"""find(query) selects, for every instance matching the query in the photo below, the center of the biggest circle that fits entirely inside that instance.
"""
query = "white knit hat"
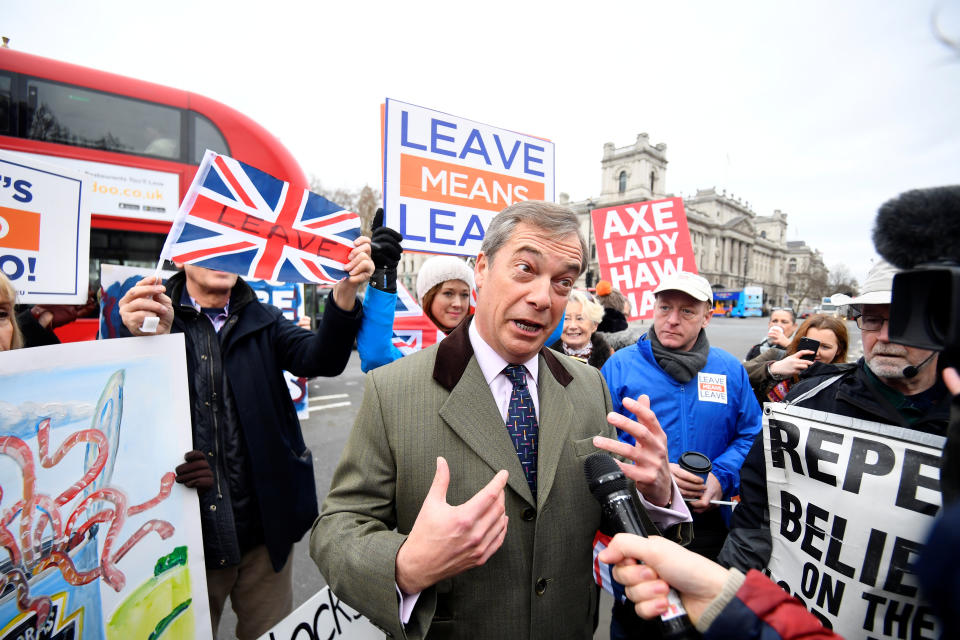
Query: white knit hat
(440, 269)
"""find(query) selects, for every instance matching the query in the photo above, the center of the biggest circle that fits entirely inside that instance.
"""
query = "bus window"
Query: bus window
(206, 136)
(131, 248)
(82, 118)
(5, 102)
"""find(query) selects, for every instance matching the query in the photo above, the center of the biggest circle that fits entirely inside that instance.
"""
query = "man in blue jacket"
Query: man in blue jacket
(702, 398)
(251, 468)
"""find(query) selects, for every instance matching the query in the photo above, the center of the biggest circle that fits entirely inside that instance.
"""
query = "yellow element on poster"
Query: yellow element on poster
(160, 607)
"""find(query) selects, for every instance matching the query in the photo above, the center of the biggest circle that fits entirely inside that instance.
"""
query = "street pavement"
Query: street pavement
(334, 403)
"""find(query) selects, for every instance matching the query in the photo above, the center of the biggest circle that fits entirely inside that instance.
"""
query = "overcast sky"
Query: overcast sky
(823, 110)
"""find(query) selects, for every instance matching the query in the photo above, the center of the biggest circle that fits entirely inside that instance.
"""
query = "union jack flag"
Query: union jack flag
(239, 219)
(412, 328)
(603, 572)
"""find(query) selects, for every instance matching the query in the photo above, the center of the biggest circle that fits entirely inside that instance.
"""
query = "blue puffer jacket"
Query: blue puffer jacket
(715, 413)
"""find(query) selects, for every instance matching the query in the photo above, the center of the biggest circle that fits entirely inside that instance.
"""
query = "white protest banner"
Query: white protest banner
(323, 617)
(117, 190)
(640, 243)
(106, 545)
(44, 231)
(851, 503)
(446, 177)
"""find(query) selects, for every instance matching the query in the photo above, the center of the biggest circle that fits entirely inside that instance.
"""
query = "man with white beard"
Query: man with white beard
(892, 383)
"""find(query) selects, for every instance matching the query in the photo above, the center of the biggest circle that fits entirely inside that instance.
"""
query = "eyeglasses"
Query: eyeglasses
(871, 323)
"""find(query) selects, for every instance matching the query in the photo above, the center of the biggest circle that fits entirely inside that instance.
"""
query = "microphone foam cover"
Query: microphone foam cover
(604, 475)
(919, 226)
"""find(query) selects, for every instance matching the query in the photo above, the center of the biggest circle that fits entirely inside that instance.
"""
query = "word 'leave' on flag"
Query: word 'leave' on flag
(412, 328)
(239, 219)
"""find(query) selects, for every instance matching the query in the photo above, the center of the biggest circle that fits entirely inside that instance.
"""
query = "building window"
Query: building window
(653, 178)
(763, 234)
(792, 267)
(622, 182)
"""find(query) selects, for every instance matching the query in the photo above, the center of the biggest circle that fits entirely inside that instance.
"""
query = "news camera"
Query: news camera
(918, 232)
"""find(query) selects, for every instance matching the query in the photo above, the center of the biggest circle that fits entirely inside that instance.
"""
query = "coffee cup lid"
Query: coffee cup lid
(695, 461)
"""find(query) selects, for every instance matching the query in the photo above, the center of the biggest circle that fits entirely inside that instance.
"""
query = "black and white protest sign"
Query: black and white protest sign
(851, 503)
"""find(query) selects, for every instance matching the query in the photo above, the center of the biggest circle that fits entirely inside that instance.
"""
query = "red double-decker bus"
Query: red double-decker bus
(140, 143)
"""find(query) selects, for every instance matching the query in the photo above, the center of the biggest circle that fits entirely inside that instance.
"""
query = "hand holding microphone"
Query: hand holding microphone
(665, 564)
(612, 490)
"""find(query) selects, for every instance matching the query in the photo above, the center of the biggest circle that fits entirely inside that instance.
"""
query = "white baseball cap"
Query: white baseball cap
(693, 285)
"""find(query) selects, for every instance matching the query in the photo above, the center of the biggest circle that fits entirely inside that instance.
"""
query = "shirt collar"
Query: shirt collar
(491, 363)
(187, 299)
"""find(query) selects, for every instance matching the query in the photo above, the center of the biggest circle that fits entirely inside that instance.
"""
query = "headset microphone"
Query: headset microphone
(911, 371)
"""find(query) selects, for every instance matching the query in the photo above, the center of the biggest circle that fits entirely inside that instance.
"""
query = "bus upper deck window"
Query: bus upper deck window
(206, 136)
(84, 118)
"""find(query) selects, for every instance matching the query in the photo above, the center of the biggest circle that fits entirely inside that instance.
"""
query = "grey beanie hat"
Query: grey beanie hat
(440, 269)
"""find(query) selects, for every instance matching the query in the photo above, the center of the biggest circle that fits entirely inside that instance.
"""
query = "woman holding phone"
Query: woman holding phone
(820, 339)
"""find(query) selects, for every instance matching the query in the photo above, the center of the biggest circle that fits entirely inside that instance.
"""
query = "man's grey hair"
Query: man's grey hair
(556, 221)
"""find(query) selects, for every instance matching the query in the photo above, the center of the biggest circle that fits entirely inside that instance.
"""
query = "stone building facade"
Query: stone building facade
(734, 246)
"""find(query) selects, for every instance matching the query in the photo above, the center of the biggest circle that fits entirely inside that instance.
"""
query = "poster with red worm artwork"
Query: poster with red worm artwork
(97, 541)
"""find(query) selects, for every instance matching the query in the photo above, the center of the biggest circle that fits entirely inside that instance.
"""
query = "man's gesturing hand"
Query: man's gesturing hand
(650, 468)
(445, 540)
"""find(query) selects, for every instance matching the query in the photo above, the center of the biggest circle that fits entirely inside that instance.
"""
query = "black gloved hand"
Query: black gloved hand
(385, 252)
(195, 472)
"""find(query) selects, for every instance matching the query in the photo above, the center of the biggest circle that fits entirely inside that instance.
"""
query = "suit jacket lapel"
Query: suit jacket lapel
(472, 413)
(556, 414)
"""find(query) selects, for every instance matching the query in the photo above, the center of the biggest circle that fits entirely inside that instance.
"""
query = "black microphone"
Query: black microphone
(911, 371)
(918, 227)
(612, 490)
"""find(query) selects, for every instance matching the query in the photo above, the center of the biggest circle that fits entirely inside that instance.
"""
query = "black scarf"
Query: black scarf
(681, 365)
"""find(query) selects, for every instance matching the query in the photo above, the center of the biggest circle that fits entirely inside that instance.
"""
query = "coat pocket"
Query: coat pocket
(584, 447)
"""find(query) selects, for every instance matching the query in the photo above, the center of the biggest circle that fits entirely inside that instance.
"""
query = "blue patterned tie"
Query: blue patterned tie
(522, 424)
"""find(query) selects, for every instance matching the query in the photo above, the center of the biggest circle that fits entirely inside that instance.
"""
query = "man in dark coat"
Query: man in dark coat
(250, 466)
(892, 384)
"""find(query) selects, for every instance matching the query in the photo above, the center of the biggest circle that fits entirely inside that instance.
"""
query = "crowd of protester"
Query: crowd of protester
(438, 549)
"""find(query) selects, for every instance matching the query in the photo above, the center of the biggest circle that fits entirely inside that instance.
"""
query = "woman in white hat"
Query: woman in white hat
(444, 284)
(443, 289)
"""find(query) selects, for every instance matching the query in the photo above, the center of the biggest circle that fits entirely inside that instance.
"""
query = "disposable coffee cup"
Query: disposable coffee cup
(696, 463)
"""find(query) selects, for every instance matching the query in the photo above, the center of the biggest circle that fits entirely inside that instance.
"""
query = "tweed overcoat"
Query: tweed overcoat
(436, 402)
